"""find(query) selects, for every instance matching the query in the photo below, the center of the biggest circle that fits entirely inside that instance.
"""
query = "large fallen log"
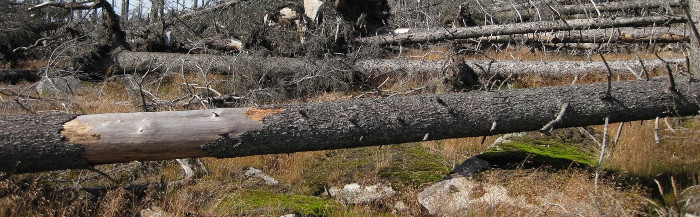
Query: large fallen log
(32, 143)
(612, 35)
(546, 10)
(486, 68)
(432, 35)
(139, 62)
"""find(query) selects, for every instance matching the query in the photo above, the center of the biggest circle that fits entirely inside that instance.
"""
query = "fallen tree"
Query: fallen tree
(432, 35)
(32, 143)
(613, 35)
(140, 62)
(548, 10)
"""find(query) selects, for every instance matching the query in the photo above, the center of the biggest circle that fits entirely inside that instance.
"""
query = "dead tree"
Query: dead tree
(424, 35)
(32, 143)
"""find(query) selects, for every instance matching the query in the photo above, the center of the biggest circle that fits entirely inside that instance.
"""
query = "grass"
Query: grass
(272, 204)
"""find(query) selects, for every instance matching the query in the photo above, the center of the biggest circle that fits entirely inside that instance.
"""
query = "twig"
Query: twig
(668, 125)
(584, 131)
(644, 68)
(602, 151)
(550, 125)
(617, 139)
(671, 81)
(608, 92)
(657, 138)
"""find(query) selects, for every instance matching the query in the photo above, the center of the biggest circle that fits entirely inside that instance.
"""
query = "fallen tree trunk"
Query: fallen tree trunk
(432, 35)
(544, 10)
(32, 143)
(486, 68)
(616, 35)
(15, 75)
(140, 62)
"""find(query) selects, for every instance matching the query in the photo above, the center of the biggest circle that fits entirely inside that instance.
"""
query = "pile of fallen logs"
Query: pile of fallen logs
(323, 44)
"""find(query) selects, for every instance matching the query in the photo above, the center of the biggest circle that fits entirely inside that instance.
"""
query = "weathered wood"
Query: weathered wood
(421, 36)
(486, 68)
(545, 10)
(39, 143)
(612, 35)
(130, 62)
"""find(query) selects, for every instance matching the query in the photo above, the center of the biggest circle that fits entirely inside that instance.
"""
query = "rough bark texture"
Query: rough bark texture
(369, 122)
(613, 35)
(549, 11)
(130, 62)
(519, 28)
(485, 68)
(32, 143)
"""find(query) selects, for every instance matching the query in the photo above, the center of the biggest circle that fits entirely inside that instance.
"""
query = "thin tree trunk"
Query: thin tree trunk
(32, 143)
(421, 36)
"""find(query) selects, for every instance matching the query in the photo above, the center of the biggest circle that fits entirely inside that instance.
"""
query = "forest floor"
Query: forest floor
(640, 176)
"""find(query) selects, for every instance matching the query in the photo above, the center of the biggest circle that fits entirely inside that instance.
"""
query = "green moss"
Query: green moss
(538, 152)
(414, 165)
(262, 203)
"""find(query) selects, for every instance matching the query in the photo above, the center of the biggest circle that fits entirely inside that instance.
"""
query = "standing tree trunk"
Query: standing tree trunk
(125, 10)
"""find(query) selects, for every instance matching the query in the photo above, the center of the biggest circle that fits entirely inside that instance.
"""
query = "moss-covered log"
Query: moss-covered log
(51, 141)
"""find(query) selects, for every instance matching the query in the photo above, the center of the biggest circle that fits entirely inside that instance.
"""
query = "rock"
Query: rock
(289, 215)
(690, 201)
(470, 167)
(154, 212)
(64, 85)
(252, 172)
(454, 197)
(356, 194)
(400, 207)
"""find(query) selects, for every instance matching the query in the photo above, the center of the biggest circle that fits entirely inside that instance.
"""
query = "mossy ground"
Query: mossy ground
(538, 153)
(273, 204)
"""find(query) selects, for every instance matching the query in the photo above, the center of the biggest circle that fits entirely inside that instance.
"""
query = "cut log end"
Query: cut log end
(259, 114)
(79, 133)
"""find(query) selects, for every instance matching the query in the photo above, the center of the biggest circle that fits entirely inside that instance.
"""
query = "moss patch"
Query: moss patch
(537, 153)
(401, 165)
(263, 203)
(414, 165)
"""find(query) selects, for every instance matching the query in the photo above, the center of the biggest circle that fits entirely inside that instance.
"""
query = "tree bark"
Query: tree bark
(612, 35)
(486, 68)
(55, 141)
(140, 62)
(422, 36)
(541, 10)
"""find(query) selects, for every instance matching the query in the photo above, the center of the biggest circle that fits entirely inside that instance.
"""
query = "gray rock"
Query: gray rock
(60, 85)
(252, 172)
(454, 197)
(154, 212)
(357, 194)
